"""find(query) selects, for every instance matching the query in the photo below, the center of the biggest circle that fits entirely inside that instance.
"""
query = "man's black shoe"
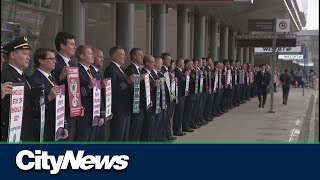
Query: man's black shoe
(187, 130)
(178, 133)
(171, 138)
(194, 127)
(204, 121)
(199, 124)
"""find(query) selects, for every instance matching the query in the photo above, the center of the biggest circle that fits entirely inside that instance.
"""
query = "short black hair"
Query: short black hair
(146, 59)
(195, 60)
(164, 55)
(40, 53)
(113, 50)
(157, 58)
(80, 49)
(178, 60)
(225, 61)
(61, 38)
(216, 63)
(186, 61)
(133, 52)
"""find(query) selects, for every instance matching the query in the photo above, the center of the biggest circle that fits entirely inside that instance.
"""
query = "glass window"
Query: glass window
(100, 27)
(40, 21)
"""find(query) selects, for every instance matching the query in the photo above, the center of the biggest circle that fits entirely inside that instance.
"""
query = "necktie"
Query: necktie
(89, 73)
(121, 70)
(51, 80)
(25, 79)
(220, 83)
(69, 63)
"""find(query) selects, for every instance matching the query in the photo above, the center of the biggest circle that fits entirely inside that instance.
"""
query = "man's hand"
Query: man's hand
(6, 88)
(131, 78)
(64, 73)
(142, 77)
(171, 75)
(103, 84)
(101, 121)
(65, 134)
(92, 83)
(54, 91)
(110, 117)
(157, 82)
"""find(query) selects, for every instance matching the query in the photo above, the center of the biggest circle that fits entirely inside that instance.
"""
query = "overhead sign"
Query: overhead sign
(265, 40)
(307, 64)
(291, 56)
(264, 25)
(279, 49)
(265, 36)
(283, 25)
(163, 1)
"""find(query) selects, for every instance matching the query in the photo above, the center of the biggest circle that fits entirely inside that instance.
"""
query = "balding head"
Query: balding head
(159, 63)
(98, 57)
(149, 62)
(180, 63)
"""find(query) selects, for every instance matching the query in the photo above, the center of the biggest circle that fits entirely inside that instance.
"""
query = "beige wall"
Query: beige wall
(140, 30)
(171, 33)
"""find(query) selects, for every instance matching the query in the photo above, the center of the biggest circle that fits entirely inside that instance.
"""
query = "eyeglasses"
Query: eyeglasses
(51, 58)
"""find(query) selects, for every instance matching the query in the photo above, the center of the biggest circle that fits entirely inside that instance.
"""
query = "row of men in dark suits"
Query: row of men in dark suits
(51, 71)
(185, 94)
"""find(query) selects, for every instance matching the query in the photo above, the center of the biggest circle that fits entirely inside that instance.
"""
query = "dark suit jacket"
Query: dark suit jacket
(263, 80)
(163, 71)
(56, 73)
(224, 77)
(153, 89)
(214, 71)
(192, 83)
(98, 76)
(38, 80)
(203, 69)
(28, 131)
(181, 82)
(152, 77)
(86, 97)
(120, 90)
(131, 69)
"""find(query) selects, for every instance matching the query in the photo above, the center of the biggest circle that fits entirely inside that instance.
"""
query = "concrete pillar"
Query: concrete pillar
(148, 28)
(159, 29)
(246, 55)
(232, 45)
(182, 33)
(251, 55)
(214, 39)
(125, 22)
(199, 36)
(224, 43)
(240, 53)
(74, 19)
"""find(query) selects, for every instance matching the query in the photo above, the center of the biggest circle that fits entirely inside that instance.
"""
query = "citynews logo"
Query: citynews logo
(40, 160)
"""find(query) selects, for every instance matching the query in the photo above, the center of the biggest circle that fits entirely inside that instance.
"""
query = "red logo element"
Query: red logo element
(283, 25)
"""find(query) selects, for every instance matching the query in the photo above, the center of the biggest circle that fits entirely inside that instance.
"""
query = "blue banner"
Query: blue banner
(162, 161)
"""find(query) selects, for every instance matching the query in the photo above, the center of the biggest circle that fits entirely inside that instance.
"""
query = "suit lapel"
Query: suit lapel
(45, 80)
(118, 70)
(83, 73)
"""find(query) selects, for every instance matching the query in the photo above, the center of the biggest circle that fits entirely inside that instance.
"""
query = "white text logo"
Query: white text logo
(40, 160)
